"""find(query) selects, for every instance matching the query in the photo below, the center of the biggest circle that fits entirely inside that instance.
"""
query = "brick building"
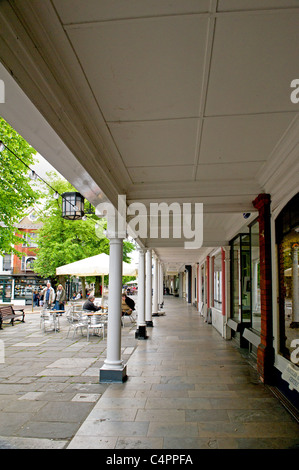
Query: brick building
(17, 276)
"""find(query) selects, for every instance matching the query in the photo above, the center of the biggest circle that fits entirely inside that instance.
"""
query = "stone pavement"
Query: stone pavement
(187, 388)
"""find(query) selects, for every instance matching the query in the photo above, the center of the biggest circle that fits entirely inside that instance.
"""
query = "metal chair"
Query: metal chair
(96, 323)
(76, 320)
(48, 318)
(131, 316)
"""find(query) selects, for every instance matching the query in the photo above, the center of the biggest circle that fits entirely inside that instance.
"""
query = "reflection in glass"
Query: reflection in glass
(288, 291)
(255, 277)
(241, 285)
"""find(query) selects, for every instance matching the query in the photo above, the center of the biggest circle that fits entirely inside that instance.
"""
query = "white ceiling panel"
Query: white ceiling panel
(78, 11)
(135, 74)
(239, 5)
(230, 171)
(255, 58)
(242, 138)
(161, 174)
(156, 143)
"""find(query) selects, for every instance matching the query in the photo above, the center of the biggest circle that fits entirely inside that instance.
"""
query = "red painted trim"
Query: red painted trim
(208, 282)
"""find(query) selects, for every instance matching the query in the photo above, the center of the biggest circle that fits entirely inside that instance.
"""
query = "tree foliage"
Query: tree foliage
(17, 193)
(63, 241)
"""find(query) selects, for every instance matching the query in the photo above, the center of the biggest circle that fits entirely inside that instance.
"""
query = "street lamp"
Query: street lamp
(72, 206)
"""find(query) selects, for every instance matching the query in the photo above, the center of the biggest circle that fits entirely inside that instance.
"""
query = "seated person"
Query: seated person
(89, 304)
(127, 305)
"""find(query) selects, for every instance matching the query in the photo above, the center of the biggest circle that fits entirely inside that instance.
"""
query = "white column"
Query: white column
(141, 326)
(161, 285)
(102, 290)
(113, 369)
(148, 289)
(159, 282)
(155, 286)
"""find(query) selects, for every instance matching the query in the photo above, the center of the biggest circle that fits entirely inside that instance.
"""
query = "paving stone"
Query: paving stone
(50, 430)
(68, 412)
(139, 443)
(89, 397)
(32, 443)
(92, 442)
(113, 428)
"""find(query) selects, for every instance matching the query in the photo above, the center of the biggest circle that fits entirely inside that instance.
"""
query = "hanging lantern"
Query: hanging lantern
(72, 206)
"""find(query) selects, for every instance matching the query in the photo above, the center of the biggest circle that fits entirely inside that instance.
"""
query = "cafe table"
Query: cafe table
(51, 316)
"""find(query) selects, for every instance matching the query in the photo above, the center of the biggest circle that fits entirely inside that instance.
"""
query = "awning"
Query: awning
(94, 266)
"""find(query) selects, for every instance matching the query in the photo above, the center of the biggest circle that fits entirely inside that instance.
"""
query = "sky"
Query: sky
(42, 166)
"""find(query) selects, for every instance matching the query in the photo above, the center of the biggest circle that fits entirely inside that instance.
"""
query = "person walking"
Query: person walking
(60, 298)
(48, 295)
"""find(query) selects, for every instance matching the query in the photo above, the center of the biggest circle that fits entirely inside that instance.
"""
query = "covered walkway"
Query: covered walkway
(187, 106)
(187, 388)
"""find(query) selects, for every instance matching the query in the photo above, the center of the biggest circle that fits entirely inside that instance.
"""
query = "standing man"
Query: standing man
(60, 298)
(49, 296)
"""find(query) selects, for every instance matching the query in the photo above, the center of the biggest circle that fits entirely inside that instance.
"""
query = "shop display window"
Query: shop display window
(255, 277)
(287, 239)
(241, 278)
(218, 281)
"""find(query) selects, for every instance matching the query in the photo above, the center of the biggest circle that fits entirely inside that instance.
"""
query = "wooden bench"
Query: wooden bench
(8, 313)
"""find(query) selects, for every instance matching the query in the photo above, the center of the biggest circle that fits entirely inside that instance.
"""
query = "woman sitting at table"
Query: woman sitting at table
(127, 305)
(89, 304)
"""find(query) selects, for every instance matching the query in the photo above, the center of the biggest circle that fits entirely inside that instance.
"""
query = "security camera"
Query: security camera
(246, 215)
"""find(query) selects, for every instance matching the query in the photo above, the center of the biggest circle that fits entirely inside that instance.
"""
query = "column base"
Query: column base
(149, 323)
(141, 333)
(113, 375)
(158, 314)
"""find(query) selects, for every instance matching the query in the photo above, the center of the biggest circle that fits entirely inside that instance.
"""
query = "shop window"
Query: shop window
(23, 288)
(255, 277)
(287, 239)
(5, 290)
(241, 278)
(218, 281)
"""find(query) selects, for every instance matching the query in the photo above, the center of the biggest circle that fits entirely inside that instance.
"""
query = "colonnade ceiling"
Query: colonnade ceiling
(182, 101)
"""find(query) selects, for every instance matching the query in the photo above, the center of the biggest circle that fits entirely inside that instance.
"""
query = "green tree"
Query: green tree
(63, 241)
(17, 193)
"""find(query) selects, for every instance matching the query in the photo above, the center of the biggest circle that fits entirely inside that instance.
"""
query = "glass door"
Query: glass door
(245, 279)
(241, 278)
(235, 277)
(5, 290)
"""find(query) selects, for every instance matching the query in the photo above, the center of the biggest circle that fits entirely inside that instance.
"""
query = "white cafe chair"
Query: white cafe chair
(96, 323)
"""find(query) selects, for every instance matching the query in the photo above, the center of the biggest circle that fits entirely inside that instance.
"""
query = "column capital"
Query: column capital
(261, 201)
(115, 240)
